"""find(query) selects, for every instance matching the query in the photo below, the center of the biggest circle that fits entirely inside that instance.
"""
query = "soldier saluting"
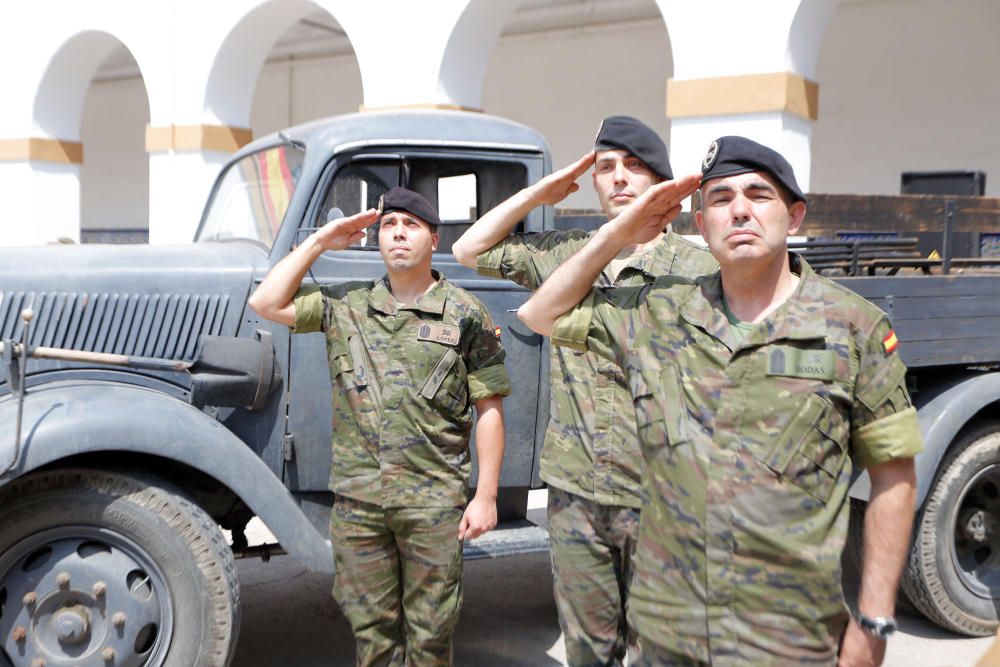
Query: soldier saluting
(409, 355)
(591, 459)
(787, 381)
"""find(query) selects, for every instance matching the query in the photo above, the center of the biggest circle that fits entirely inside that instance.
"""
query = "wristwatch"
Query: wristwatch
(880, 626)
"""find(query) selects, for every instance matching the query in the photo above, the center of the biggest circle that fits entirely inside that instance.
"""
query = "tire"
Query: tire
(850, 559)
(102, 568)
(952, 575)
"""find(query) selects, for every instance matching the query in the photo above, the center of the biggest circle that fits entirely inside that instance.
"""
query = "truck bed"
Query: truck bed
(940, 320)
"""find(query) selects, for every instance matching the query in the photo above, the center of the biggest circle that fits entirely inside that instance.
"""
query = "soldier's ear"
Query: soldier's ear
(435, 239)
(796, 214)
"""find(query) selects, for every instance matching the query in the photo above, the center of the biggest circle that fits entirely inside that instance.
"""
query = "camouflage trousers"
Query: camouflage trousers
(398, 580)
(649, 654)
(592, 547)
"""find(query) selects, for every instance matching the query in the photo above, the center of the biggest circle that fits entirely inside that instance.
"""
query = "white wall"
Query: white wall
(904, 85)
(114, 176)
(297, 91)
(564, 83)
(908, 85)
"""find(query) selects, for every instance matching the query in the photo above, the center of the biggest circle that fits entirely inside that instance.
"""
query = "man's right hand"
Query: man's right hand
(560, 184)
(343, 232)
(660, 204)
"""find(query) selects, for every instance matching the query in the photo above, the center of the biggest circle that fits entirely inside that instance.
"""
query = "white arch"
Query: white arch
(468, 50)
(240, 55)
(445, 55)
(805, 37)
(58, 102)
(45, 179)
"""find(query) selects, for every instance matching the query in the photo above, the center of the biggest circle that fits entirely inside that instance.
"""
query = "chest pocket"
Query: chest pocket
(810, 452)
(445, 385)
(660, 407)
(356, 373)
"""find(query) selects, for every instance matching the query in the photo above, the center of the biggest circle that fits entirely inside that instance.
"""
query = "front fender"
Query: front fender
(68, 418)
(942, 413)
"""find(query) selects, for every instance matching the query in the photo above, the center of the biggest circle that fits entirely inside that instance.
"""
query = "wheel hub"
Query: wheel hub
(80, 596)
(977, 533)
(71, 625)
(976, 526)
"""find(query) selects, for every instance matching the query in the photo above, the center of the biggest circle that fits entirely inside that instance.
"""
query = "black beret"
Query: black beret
(632, 135)
(401, 199)
(729, 156)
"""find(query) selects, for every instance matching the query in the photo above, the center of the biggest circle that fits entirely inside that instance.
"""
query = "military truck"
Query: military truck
(145, 408)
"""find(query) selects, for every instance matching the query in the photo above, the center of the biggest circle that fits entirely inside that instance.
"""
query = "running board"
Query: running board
(511, 538)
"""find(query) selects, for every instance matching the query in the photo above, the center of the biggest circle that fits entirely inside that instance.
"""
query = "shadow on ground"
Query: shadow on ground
(289, 618)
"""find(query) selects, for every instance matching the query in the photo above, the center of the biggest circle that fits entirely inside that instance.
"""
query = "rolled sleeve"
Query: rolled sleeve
(490, 263)
(894, 437)
(308, 310)
(484, 358)
(529, 259)
(489, 381)
(884, 421)
(572, 329)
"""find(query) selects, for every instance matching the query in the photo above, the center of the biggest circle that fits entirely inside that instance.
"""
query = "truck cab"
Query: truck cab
(279, 190)
(115, 482)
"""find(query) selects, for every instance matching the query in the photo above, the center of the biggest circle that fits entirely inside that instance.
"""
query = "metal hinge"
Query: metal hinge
(288, 447)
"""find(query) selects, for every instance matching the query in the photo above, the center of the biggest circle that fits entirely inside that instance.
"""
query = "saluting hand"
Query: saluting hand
(560, 184)
(657, 206)
(343, 232)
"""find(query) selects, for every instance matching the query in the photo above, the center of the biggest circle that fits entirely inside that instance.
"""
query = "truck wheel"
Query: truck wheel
(953, 572)
(100, 569)
(850, 559)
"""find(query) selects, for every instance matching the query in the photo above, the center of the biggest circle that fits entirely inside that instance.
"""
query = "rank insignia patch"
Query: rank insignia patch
(890, 342)
(438, 333)
(496, 332)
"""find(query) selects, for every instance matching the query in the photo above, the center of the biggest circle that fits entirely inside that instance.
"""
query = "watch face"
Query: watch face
(880, 627)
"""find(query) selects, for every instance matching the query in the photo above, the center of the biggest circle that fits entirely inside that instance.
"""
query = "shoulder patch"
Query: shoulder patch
(890, 342)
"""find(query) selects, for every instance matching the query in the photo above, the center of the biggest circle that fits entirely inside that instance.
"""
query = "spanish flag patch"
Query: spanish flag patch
(890, 342)
(496, 332)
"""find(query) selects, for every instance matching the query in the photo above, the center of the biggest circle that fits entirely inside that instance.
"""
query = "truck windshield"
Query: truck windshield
(253, 195)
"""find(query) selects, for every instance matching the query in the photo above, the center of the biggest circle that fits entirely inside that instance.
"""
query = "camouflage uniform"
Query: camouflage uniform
(405, 378)
(744, 514)
(591, 457)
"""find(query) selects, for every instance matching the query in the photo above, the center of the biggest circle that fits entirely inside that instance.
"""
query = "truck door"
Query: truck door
(463, 184)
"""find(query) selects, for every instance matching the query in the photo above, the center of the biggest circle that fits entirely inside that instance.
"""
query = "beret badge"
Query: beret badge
(710, 156)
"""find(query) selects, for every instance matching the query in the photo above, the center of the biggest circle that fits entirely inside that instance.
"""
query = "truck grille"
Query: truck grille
(147, 325)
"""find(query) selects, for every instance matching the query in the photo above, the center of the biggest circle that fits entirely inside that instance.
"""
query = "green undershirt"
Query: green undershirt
(740, 328)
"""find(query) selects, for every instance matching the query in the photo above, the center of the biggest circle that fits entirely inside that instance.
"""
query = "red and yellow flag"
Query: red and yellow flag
(890, 342)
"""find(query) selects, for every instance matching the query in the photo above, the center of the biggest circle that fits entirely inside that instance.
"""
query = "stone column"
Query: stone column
(41, 186)
(746, 69)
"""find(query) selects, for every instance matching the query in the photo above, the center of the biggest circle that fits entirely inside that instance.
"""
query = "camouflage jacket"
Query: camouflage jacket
(591, 448)
(404, 380)
(745, 486)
